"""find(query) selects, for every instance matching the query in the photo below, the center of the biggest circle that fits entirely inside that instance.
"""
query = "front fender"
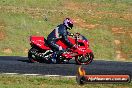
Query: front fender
(89, 50)
(82, 52)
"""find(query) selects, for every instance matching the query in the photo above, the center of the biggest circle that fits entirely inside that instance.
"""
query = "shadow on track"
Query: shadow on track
(25, 59)
(46, 63)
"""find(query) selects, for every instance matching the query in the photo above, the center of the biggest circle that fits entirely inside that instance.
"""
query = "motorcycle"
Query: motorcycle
(41, 52)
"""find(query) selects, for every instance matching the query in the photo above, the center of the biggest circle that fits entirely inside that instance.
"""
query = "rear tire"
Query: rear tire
(31, 56)
(80, 60)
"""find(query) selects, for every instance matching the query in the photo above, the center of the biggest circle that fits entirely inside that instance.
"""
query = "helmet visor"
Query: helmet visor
(70, 25)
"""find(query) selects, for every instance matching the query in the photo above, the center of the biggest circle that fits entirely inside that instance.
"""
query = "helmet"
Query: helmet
(68, 23)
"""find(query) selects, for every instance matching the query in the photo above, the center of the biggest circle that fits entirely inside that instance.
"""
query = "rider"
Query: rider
(61, 31)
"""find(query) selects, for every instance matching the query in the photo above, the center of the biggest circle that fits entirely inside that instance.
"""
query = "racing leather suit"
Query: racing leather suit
(59, 32)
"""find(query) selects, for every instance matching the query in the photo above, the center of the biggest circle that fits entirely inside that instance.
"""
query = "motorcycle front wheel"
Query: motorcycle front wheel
(87, 59)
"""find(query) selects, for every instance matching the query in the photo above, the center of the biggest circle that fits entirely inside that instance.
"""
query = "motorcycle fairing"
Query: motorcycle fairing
(39, 41)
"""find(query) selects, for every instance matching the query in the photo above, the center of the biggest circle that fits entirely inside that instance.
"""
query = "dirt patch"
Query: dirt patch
(2, 33)
(7, 51)
(117, 42)
(130, 33)
(126, 16)
(34, 12)
(118, 30)
(120, 56)
(26, 51)
(79, 22)
(82, 23)
(71, 6)
(78, 7)
(91, 26)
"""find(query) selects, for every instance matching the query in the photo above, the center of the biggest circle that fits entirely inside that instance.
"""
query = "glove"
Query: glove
(72, 34)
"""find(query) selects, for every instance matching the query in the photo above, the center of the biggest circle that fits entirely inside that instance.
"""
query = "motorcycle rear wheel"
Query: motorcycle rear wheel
(84, 60)
(31, 57)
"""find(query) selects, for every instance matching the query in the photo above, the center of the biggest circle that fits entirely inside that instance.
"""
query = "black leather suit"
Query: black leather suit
(59, 32)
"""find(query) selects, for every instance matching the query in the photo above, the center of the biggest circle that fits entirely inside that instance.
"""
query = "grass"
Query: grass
(22, 18)
(30, 3)
(17, 81)
(18, 29)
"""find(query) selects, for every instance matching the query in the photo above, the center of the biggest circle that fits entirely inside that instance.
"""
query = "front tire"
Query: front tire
(84, 59)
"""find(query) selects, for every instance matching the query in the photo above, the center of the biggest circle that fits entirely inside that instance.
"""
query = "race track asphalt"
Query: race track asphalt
(21, 65)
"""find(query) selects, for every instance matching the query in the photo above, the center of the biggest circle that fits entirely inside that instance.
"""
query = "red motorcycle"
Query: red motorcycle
(41, 52)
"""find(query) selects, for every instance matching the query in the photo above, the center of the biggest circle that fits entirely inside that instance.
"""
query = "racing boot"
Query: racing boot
(54, 57)
(59, 53)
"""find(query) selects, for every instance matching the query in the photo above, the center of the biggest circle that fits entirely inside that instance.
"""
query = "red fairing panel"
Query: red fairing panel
(62, 43)
(39, 41)
(89, 51)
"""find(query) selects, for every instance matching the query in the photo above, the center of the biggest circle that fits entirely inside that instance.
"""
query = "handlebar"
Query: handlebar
(77, 36)
(77, 33)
